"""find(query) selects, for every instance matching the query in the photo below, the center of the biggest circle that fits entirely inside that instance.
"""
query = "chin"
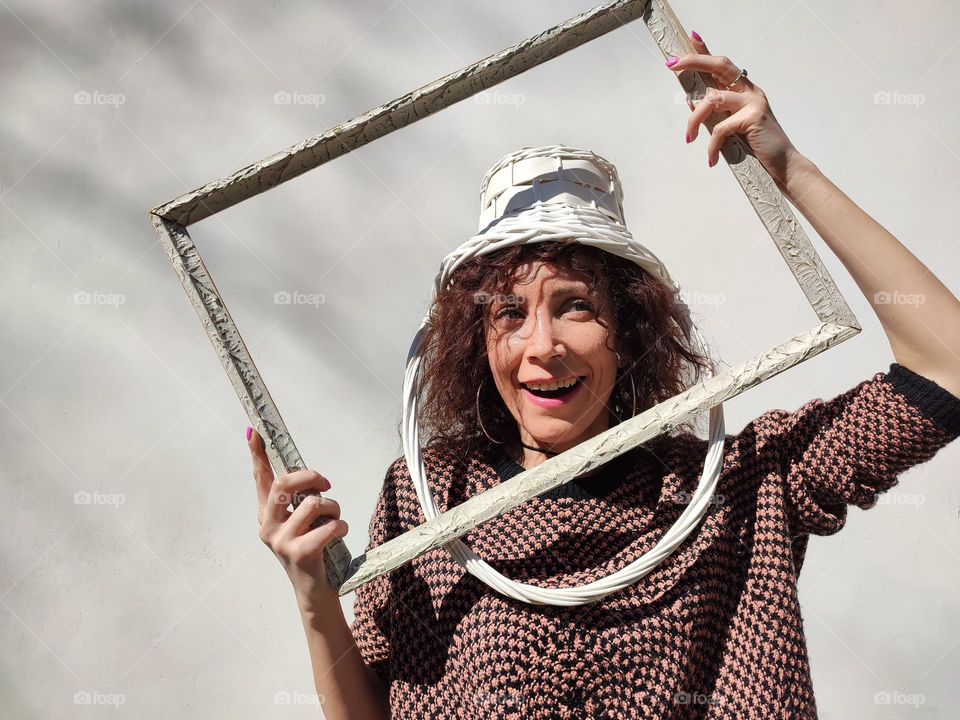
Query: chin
(553, 431)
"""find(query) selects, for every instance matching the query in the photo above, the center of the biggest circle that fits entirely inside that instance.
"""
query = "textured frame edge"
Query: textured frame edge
(171, 220)
(239, 366)
(297, 159)
(591, 453)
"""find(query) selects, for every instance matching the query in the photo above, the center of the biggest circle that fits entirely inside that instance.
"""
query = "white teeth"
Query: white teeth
(553, 385)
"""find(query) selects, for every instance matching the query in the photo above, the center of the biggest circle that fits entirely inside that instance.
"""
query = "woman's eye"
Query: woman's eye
(510, 313)
(506, 313)
(581, 305)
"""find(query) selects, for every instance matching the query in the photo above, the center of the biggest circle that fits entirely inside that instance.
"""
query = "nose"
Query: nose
(542, 343)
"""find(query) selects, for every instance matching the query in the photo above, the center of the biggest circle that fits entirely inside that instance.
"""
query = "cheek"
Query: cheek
(593, 344)
(499, 360)
(602, 360)
(514, 343)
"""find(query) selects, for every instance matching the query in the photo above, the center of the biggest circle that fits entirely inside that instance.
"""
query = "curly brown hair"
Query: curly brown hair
(455, 359)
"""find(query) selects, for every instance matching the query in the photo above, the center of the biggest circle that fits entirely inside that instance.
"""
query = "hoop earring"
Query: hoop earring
(633, 397)
(480, 420)
(633, 386)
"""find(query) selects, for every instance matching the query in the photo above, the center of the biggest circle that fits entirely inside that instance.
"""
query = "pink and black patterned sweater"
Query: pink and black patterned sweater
(714, 631)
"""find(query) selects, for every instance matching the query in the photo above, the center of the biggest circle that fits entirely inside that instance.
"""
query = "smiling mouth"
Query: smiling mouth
(553, 394)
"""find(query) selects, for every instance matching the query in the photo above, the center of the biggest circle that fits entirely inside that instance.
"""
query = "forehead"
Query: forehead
(548, 276)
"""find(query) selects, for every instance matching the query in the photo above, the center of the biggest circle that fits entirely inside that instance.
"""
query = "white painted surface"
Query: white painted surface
(169, 599)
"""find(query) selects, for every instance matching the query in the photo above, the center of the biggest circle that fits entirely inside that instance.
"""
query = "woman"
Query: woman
(715, 630)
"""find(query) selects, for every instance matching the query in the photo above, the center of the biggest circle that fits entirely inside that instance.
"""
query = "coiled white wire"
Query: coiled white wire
(540, 223)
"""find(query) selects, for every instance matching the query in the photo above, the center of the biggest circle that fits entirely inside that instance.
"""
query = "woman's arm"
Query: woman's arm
(920, 316)
(347, 686)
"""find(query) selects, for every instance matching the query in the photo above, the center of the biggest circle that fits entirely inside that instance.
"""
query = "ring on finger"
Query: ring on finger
(739, 78)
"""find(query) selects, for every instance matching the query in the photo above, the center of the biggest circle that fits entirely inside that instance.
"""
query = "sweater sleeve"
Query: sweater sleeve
(373, 601)
(852, 448)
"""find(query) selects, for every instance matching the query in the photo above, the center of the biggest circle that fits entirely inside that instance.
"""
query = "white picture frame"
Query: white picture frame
(836, 321)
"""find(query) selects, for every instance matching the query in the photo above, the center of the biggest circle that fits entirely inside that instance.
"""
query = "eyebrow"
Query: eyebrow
(568, 288)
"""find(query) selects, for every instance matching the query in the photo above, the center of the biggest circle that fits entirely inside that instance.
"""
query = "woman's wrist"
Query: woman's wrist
(799, 172)
(318, 611)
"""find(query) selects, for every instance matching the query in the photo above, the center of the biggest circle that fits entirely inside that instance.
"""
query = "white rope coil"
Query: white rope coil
(540, 194)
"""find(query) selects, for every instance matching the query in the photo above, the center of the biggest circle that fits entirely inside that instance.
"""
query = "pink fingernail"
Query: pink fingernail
(688, 137)
(672, 61)
(711, 163)
(249, 433)
(696, 36)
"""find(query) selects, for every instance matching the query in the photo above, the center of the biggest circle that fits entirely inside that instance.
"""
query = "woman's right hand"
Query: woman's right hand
(298, 546)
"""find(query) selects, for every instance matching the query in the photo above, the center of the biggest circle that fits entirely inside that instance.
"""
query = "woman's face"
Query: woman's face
(548, 330)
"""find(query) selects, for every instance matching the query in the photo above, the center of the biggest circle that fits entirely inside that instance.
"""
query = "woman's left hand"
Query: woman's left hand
(751, 115)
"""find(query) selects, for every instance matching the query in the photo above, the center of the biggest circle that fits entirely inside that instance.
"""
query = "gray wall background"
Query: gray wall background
(156, 597)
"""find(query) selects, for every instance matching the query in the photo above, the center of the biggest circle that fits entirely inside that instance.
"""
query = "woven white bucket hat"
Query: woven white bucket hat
(537, 194)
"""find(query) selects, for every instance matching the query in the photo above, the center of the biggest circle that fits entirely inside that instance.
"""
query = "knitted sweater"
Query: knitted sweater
(714, 631)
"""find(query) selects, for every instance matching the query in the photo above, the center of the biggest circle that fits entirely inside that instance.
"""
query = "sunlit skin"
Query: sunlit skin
(550, 328)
